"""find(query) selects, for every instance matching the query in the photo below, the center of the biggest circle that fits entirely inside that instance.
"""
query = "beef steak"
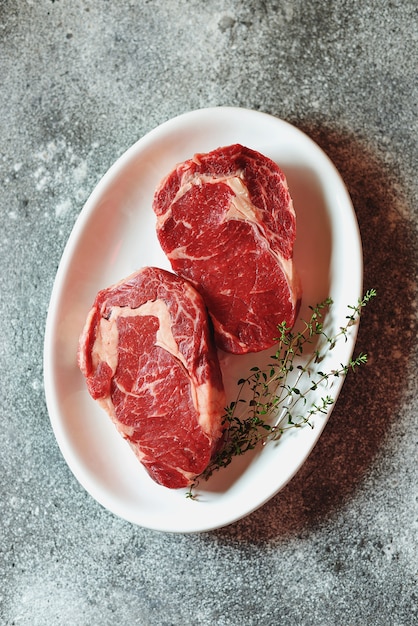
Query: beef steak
(226, 221)
(149, 359)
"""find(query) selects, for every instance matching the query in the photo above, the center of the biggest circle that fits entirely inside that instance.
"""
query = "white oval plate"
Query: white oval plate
(115, 235)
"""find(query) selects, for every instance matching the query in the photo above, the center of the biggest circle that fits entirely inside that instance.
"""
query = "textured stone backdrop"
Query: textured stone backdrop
(80, 81)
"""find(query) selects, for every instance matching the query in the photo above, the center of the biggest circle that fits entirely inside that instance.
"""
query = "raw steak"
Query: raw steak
(226, 221)
(149, 359)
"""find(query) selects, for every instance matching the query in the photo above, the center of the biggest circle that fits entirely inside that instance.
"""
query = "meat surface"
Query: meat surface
(149, 359)
(226, 222)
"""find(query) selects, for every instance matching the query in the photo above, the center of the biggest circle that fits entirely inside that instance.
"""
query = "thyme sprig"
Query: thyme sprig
(276, 398)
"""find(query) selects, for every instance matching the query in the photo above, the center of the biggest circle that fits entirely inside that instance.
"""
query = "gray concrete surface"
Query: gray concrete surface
(80, 81)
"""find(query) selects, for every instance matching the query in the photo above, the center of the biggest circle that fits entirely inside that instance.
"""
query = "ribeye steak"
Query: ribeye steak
(226, 221)
(149, 359)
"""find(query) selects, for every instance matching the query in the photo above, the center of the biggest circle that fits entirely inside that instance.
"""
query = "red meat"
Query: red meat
(149, 359)
(227, 224)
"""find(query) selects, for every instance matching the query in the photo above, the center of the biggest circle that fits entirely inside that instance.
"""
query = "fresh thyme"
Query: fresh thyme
(277, 397)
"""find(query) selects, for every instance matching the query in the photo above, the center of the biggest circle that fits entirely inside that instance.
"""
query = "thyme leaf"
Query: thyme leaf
(277, 398)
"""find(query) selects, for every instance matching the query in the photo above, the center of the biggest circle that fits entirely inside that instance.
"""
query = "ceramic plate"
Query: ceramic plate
(115, 235)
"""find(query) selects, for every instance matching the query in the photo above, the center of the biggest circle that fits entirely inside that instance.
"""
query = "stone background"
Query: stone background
(81, 81)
